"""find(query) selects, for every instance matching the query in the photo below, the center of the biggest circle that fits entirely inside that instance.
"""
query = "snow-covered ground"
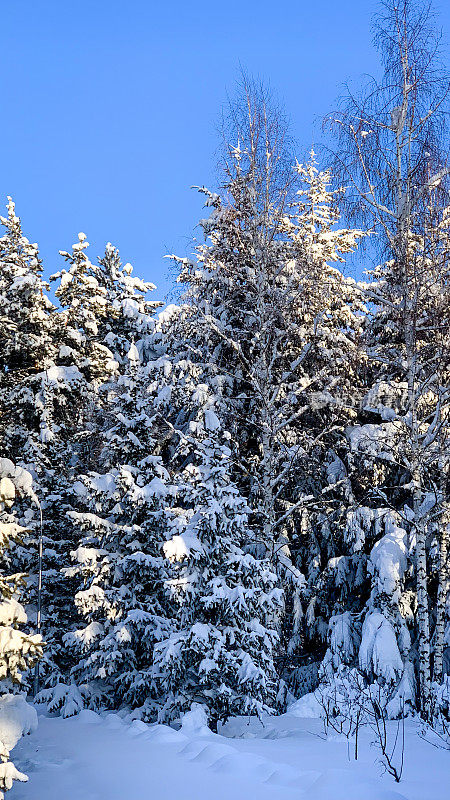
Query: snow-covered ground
(89, 757)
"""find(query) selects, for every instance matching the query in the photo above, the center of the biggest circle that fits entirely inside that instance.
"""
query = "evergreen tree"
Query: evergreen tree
(276, 328)
(211, 577)
(26, 319)
(221, 653)
(84, 300)
(104, 311)
(43, 395)
(18, 649)
(119, 563)
(131, 314)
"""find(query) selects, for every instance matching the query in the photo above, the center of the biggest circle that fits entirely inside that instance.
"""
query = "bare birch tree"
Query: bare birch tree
(391, 154)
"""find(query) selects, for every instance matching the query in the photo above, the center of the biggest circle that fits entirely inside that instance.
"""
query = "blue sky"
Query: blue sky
(110, 108)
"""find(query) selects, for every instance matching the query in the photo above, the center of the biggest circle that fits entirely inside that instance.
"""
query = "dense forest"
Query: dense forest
(203, 501)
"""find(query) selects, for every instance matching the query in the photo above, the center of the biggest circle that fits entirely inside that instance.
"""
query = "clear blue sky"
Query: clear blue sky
(109, 108)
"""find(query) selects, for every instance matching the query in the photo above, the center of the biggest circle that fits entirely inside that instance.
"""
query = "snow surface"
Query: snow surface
(92, 757)
(17, 718)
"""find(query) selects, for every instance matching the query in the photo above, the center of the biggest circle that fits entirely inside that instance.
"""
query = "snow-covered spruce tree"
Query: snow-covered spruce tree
(275, 327)
(222, 652)
(84, 300)
(104, 311)
(18, 649)
(130, 317)
(41, 399)
(224, 600)
(392, 150)
(65, 401)
(330, 314)
(119, 565)
(26, 318)
(106, 308)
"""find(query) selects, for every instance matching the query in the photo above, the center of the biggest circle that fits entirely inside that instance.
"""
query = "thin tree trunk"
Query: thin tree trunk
(443, 586)
(423, 622)
(423, 616)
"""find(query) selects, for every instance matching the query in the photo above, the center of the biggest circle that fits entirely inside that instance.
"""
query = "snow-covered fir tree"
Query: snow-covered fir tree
(84, 300)
(120, 564)
(275, 325)
(131, 314)
(26, 319)
(19, 650)
(42, 398)
(104, 309)
(226, 600)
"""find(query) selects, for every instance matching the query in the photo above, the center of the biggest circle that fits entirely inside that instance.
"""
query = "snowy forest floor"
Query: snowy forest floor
(92, 757)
